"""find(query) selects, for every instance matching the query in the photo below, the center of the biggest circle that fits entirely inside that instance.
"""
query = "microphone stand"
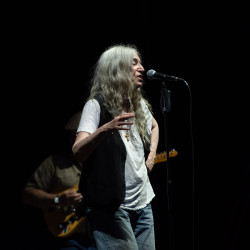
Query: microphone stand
(165, 103)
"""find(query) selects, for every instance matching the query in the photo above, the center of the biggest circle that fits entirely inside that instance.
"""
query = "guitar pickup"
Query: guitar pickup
(67, 222)
(68, 209)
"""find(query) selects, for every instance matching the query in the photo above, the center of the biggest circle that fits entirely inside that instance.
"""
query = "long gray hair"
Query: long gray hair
(112, 80)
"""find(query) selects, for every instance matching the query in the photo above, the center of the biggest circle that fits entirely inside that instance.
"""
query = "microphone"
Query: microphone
(152, 74)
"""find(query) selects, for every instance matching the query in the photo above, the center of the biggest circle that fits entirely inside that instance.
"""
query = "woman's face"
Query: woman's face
(137, 71)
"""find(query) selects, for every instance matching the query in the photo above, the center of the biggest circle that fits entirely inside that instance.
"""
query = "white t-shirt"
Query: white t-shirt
(139, 191)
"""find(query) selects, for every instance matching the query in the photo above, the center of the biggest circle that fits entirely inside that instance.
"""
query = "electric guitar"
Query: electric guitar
(63, 221)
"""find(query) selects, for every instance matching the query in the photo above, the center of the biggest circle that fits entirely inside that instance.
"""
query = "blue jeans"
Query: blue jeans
(125, 229)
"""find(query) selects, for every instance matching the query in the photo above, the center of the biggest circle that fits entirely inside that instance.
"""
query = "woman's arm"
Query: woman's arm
(85, 142)
(154, 139)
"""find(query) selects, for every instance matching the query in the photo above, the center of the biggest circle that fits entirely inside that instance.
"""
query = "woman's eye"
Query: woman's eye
(135, 61)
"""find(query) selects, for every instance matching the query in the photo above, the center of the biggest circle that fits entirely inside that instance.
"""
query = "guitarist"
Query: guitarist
(52, 185)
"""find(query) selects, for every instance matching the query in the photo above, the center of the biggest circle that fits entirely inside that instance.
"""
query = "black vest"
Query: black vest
(102, 181)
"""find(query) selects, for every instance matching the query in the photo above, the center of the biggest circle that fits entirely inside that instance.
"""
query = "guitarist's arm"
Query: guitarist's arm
(41, 199)
(38, 198)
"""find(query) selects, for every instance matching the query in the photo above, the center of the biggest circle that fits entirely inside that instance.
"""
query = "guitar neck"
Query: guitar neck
(162, 157)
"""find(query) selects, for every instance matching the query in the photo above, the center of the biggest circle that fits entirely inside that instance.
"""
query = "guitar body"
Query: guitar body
(63, 221)
(61, 224)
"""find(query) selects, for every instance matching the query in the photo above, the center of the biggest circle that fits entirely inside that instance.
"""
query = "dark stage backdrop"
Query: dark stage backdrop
(51, 53)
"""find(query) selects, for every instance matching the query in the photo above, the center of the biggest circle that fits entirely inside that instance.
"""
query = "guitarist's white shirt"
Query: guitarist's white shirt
(139, 192)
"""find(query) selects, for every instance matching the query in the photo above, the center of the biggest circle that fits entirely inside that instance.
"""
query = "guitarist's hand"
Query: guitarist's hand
(70, 197)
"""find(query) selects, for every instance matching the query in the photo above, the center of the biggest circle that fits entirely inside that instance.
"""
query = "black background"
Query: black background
(49, 53)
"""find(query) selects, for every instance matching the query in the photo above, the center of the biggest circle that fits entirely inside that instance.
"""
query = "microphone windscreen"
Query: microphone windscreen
(150, 73)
